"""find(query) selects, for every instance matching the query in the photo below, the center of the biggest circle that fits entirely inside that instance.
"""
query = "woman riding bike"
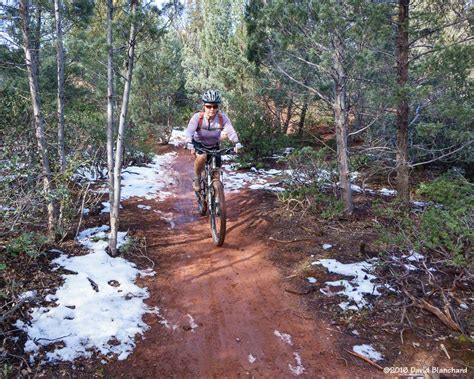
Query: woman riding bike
(204, 130)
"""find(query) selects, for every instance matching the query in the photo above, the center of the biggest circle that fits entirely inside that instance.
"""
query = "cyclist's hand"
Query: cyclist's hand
(238, 146)
(190, 147)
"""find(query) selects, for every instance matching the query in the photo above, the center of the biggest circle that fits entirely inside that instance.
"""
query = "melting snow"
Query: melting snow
(254, 179)
(368, 351)
(298, 369)
(28, 295)
(178, 138)
(142, 206)
(413, 256)
(284, 337)
(90, 174)
(100, 308)
(273, 187)
(420, 204)
(387, 192)
(168, 217)
(355, 288)
(192, 322)
(149, 181)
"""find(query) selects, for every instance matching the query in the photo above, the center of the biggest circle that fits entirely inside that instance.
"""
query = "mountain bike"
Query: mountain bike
(211, 194)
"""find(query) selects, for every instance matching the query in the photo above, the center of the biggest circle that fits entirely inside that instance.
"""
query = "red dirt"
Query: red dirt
(234, 294)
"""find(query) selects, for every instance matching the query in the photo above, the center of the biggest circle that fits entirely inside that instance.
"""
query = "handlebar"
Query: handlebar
(215, 152)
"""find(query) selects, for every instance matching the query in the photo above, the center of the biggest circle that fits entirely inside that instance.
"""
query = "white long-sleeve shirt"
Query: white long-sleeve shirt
(210, 131)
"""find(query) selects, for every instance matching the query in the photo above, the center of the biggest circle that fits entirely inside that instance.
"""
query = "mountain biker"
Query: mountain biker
(204, 130)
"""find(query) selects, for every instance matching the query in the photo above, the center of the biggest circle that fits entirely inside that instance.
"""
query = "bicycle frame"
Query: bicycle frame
(211, 195)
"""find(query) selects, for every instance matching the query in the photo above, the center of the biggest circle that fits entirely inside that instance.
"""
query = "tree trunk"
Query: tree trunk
(37, 39)
(60, 71)
(286, 125)
(403, 107)
(340, 120)
(278, 117)
(168, 121)
(30, 60)
(114, 218)
(303, 117)
(110, 107)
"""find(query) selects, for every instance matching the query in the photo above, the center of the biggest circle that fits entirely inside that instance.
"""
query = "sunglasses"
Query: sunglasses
(214, 106)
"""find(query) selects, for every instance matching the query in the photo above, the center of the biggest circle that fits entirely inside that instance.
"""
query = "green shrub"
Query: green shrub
(29, 243)
(359, 161)
(311, 166)
(310, 182)
(444, 227)
(447, 223)
(313, 200)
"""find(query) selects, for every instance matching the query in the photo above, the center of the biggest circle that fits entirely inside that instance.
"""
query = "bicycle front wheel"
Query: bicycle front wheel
(217, 213)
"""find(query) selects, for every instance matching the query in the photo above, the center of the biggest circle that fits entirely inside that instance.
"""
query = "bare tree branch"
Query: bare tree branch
(444, 155)
(313, 90)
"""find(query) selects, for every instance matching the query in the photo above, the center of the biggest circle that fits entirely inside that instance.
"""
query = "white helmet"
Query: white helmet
(211, 96)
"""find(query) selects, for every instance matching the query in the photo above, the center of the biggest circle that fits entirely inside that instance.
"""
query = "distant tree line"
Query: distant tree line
(86, 83)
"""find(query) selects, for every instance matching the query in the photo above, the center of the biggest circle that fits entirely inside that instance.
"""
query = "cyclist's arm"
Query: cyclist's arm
(192, 126)
(229, 130)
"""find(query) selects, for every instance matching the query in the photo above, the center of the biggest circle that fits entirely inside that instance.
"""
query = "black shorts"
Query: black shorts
(216, 147)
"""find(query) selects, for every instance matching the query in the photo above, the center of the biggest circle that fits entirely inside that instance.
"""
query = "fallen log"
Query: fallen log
(365, 359)
(445, 318)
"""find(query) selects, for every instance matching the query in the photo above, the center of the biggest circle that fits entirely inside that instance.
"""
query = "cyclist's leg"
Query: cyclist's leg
(199, 163)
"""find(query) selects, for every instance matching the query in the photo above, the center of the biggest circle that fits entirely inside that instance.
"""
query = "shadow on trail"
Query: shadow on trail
(222, 267)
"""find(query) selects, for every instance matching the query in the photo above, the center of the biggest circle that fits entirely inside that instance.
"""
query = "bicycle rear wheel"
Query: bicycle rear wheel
(217, 213)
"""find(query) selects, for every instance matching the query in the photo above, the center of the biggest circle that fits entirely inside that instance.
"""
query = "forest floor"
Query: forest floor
(253, 307)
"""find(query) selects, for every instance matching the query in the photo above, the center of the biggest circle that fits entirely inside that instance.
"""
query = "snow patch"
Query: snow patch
(284, 337)
(251, 358)
(368, 351)
(255, 179)
(168, 217)
(272, 187)
(142, 206)
(311, 279)
(27, 296)
(149, 181)
(90, 174)
(192, 322)
(413, 256)
(420, 204)
(90, 314)
(327, 246)
(354, 289)
(298, 369)
(178, 138)
(387, 192)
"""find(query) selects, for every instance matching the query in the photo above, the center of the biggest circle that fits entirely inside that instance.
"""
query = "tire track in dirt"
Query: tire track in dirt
(225, 303)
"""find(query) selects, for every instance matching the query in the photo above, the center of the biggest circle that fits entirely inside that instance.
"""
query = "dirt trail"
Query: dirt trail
(221, 307)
